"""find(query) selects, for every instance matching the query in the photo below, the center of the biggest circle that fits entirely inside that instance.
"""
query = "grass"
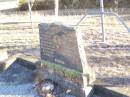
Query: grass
(67, 72)
(21, 2)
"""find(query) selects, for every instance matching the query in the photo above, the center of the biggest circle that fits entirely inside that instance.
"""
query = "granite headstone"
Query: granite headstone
(58, 44)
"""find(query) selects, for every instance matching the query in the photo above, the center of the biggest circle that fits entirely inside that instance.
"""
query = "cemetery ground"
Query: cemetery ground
(111, 61)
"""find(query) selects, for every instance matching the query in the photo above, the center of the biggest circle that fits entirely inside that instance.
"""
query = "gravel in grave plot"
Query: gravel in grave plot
(24, 90)
(17, 74)
(17, 81)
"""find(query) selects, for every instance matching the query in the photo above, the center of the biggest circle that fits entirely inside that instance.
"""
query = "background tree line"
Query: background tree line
(73, 4)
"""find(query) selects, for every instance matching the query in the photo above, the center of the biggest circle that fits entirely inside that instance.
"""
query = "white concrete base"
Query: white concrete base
(88, 91)
(3, 54)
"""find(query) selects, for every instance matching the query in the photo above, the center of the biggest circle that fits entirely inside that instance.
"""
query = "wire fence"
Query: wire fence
(17, 21)
(120, 11)
(16, 32)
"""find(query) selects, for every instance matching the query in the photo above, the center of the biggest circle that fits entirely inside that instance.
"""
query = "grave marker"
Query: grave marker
(59, 45)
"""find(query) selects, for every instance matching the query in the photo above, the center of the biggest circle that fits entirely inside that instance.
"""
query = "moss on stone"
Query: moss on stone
(71, 73)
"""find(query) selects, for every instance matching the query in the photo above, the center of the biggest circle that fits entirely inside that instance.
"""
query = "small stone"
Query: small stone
(47, 87)
(68, 91)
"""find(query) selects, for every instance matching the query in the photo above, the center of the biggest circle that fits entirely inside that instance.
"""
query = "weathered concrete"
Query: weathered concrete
(3, 58)
(104, 91)
(3, 54)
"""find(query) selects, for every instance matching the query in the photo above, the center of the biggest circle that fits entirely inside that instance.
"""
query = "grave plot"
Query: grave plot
(60, 57)
(61, 61)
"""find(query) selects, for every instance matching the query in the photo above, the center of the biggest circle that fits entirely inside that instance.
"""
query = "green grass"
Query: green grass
(67, 72)
(21, 2)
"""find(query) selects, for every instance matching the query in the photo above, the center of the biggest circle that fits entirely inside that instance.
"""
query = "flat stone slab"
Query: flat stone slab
(124, 90)
(110, 91)
(19, 72)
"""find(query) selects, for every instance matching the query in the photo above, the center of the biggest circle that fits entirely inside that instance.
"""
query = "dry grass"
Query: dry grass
(108, 62)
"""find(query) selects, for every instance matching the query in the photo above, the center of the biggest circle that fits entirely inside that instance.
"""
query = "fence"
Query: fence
(16, 31)
(19, 22)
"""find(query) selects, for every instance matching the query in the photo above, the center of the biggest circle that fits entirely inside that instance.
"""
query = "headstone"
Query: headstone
(58, 44)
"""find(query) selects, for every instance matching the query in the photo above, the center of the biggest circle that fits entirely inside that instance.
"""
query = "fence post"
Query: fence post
(30, 13)
(56, 8)
(102, 20)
